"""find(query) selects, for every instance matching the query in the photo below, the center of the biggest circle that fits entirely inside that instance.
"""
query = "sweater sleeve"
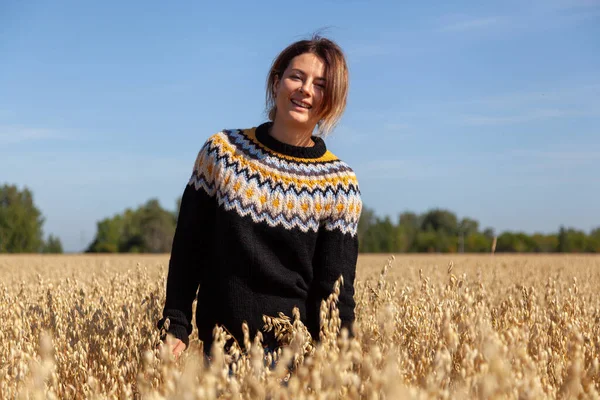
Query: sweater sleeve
(191, 239)
(336, 254)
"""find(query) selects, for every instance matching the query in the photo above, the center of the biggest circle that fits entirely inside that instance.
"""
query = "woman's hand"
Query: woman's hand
(174, 346)
(177, 347)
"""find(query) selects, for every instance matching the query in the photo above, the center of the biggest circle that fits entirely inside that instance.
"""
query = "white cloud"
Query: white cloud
(89, 168)
(558, 154)
(532, 115)
(468, 24)
(563, 156)
(532, 16)
(527, 106)
(570, 4)
(577, 94)
(15, 134)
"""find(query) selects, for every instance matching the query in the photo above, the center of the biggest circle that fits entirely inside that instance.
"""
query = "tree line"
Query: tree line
(441, 231)
(21, 224)
(149, 228)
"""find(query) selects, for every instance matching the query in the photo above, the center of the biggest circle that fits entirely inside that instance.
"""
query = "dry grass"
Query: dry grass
(427, 327)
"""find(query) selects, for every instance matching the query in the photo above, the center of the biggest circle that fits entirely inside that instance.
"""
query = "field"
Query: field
(439, 326)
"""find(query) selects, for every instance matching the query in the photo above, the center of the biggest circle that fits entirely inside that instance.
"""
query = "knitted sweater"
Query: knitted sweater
(263, 227)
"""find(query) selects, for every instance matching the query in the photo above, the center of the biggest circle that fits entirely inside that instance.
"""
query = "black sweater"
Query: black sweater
(263, 227)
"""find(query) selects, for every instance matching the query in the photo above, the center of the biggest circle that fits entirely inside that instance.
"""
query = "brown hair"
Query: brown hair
(336, 75)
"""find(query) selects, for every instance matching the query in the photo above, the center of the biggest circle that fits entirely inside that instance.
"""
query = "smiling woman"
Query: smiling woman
(310, 74)
(269, 216)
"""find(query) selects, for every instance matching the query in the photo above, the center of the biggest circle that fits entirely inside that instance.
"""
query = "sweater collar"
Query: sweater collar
(263, 136)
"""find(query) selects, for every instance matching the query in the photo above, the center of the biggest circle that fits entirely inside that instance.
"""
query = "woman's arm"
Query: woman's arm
(336, 255)
(190, 242)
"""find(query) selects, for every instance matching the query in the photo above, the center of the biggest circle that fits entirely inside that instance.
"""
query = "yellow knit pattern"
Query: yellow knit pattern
(254, 181)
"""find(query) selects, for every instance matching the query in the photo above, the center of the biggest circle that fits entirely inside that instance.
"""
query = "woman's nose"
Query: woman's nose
(305, 88)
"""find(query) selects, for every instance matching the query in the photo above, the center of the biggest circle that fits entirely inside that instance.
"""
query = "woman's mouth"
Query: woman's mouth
(301, 104)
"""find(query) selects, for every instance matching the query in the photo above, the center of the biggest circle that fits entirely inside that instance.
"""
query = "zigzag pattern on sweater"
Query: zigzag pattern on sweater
(318, 176)
(323, 185)
(251, 180)
(251, 147)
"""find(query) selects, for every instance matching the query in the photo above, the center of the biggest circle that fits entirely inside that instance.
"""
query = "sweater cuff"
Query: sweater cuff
(179, 327)
(348, 324)
(179, 332)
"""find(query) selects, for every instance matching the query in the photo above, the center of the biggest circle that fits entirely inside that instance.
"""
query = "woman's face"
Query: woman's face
(299, 93)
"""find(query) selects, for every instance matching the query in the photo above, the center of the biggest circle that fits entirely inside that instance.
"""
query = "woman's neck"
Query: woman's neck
(294, 136)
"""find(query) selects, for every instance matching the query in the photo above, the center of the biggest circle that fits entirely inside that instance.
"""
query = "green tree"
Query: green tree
(478, 243)
(365, 233)
(439, 220)
(379, 237)
(594, 241)
(515, 242)
(489, 233)
(545, 243)
(108, 236)
(426, 242)
(147, 229)
(572, 240)
(468, 226)
(406, 232)
(385, 233)
(52, 245)
(563, 244)
(577, 240)
(20, 221)
(157, 227)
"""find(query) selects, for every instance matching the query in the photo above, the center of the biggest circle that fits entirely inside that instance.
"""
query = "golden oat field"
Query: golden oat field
(427, 326)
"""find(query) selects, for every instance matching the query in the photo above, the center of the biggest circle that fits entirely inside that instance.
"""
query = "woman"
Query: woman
(268, 219)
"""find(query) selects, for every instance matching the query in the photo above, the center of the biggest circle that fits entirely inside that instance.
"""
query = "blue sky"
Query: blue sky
(491, 110)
